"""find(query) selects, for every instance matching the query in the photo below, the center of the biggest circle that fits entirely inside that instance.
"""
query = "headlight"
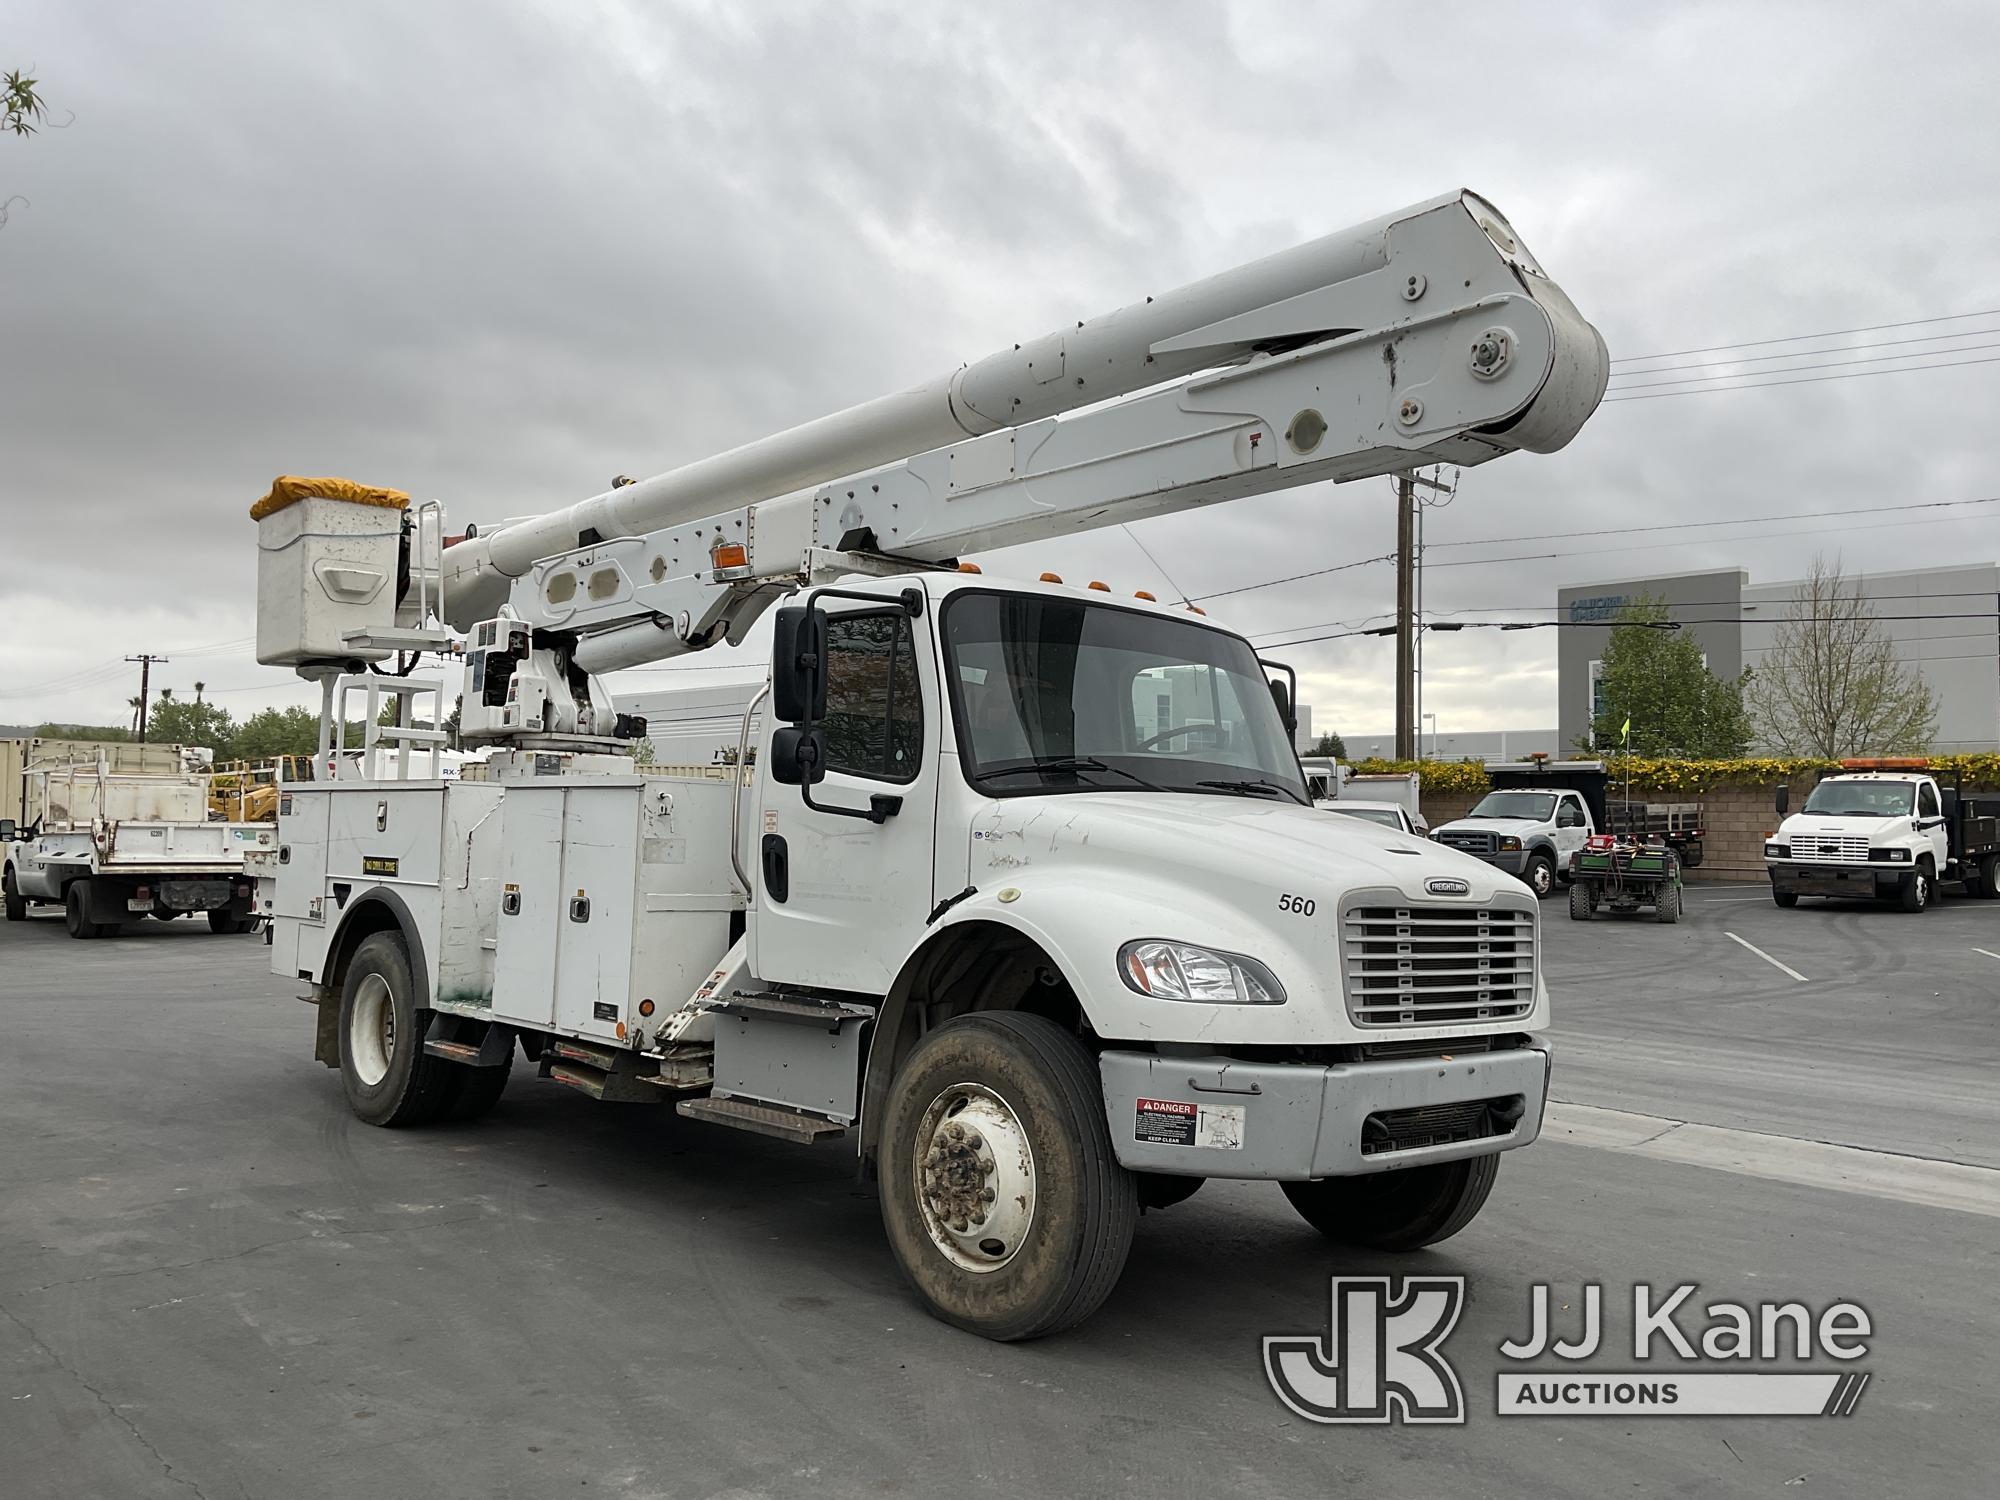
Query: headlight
(1180, 971)
(1777, 851)
(1509, 843)
(1892, 856)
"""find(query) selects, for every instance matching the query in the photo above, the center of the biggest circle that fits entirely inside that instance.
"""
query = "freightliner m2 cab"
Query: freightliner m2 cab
(1017, 893)
(1884, 828)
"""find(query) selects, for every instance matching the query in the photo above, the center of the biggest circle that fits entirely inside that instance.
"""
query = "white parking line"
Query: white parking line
(1767, 958)
(1987, 951)
(1818, 1164)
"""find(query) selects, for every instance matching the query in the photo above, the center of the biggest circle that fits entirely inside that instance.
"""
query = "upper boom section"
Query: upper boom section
(1410, 270)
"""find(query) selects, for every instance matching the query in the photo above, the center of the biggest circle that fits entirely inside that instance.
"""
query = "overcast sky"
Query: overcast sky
(498, 252)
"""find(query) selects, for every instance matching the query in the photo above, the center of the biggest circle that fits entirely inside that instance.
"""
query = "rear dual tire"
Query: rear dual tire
(77, 917)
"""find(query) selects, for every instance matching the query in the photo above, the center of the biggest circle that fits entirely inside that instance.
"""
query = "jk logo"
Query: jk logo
(1380, 1359)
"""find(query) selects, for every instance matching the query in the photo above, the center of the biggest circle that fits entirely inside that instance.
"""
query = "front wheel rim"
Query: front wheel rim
(371, 1030)
(973, 1173)
(1544, 878)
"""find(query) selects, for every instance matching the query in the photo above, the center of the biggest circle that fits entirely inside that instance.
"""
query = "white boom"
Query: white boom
(1426, 336)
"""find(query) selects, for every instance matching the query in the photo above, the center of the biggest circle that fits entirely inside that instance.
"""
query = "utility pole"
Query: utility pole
(1406, 615)
(145, 659)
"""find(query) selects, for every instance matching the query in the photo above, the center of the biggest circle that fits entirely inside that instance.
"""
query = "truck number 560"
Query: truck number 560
(1304, 906)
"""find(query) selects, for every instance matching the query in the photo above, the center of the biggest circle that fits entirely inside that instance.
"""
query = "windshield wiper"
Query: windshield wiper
(1071, 763)
(1250, 788)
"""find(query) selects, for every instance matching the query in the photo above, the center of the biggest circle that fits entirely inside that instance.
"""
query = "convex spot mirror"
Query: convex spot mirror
(798, 755)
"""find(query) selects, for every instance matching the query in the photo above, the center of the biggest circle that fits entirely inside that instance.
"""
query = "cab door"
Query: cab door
(1930, 825)
(841, 900)
(1572, 827)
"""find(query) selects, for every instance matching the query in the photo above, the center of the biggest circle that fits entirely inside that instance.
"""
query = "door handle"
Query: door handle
(777, 868)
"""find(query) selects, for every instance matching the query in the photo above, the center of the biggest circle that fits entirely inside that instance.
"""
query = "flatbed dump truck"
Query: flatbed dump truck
(1885, 827)
(1018, 893)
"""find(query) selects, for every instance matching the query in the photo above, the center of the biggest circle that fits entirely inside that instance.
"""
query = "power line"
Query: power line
(1155, 562)
(1758, 359)
(1789, 515)
(1294, 578)
(1807, 380)
(1383, 631)
(1800, 338)
(1832, 364)
(1755, 536)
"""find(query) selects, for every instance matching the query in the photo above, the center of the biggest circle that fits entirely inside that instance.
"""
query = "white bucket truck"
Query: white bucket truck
(1021, 893)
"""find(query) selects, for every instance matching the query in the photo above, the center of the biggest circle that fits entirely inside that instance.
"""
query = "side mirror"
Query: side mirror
(1282, 696)
(1784, 800)
(798, 755)
(798, 667)
(7, 831)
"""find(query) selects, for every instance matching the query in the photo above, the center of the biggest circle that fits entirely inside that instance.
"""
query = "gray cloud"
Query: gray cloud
(496, 253)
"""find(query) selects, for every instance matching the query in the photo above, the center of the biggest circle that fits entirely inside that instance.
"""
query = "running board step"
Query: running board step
(606, 1073)
(691, 1066)
(773, 1007)
(762, 1119)
(494, 1043)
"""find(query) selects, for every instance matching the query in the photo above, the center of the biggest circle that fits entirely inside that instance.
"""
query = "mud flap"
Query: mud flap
(326, 1033)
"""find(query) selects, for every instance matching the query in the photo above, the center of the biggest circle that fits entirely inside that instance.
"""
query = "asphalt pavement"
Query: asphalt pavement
(215, 1282)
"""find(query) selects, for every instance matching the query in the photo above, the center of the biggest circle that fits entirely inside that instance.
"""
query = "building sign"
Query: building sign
(1600, 609)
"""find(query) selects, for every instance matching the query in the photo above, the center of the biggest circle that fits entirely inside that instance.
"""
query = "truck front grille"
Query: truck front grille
(1435, 965)
(1470, 840)
(1839, 846)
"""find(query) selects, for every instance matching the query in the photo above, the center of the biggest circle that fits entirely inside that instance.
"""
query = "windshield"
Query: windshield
(1862, 799)
(1536, 806)
(1056, 694)
(1383, 815)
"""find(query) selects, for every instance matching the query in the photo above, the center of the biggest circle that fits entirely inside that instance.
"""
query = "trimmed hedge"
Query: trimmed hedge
(1981, 772)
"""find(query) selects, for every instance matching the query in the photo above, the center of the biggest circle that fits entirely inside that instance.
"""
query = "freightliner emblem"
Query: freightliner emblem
(1446, 886)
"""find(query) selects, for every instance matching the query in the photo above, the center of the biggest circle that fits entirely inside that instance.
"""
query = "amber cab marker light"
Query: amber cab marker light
(1142, 594)
(729, 555)
(970, 568)
(1052, 578)
(1102, 588)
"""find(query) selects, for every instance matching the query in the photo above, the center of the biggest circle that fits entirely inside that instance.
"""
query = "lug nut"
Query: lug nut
(972, 1139)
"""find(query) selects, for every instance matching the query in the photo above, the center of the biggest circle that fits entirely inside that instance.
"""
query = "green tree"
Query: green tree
(21, 113)
(54, 731)
(1832, 684)
(276, 731)
(1655, 677)
(1330, 744)
(177, 721)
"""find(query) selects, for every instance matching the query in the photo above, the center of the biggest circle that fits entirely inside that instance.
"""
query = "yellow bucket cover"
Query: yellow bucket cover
(289, 489)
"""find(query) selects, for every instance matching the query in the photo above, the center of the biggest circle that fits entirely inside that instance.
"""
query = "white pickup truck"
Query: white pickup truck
(1884, 828)
(111, 848)
(1530, 832)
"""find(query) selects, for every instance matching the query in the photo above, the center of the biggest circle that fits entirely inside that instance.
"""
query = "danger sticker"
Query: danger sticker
(1177, 1122)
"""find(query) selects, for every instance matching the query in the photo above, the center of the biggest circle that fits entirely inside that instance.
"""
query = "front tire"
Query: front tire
(1540, 874)
(1016, 1224)
(1579, 902)
(390, 1080)
(1405, 1209)
(1916, 892)
(1786, 899)
(16, 904)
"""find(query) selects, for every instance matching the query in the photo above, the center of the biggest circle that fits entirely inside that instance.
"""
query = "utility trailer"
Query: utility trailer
(110, 848)
(1676, 825)
(1013, 890)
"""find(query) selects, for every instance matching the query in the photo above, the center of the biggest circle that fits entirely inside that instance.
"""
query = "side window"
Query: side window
(874, 707)
(1927, 802)
(1570, 814)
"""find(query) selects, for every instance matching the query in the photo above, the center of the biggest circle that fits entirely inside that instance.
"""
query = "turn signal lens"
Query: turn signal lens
(729, 555)
(1180, 971)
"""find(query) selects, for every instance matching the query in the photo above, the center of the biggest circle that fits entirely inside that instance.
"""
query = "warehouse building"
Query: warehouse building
(1924, 613)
